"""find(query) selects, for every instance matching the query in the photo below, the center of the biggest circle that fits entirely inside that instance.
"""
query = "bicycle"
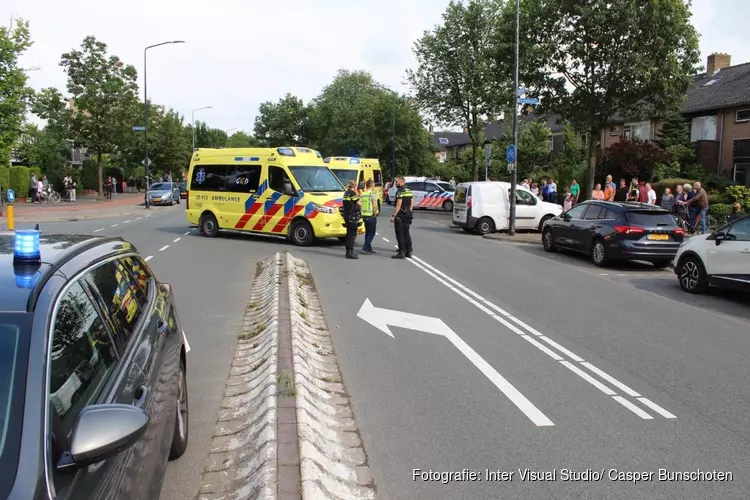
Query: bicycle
(683, 220)
(49, 195)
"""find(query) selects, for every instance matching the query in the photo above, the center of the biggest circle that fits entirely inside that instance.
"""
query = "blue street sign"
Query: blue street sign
(510, 153)
(521, 91)
(11, 195)
(138, 128)
(528, 100)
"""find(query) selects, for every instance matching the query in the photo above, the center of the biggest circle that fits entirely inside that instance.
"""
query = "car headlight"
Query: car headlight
(325, 210)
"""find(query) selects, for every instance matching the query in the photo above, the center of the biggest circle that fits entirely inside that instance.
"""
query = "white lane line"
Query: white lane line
(114, 225)
(187, 233)
(386, 240)
(138, 218)
(176, 240)
(544, 349)
(658, 409)
(588, 378)
(126, 221)
(163, 248)
(603, 274)
(630, 406)
(377, 234)
(148, 215)
(100, 229)
(149, 258)
(563, 350)
(621, 274)
(624, 388)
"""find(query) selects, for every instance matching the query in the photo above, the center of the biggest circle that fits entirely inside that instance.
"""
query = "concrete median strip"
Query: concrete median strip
(286, 428)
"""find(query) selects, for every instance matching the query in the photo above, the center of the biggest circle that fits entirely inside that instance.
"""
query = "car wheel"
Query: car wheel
(661, 264)
(484, 225)
(599, 254)
(692, 276)
(301, 233)
(180, 435)
(544, 221)
(448, 206)
(547, 241)
(209, 225)
(178, 200)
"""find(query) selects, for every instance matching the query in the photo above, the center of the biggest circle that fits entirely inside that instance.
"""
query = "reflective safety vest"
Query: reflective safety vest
(368, 208)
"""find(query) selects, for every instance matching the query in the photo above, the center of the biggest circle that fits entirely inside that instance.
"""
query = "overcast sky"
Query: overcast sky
(240, 53)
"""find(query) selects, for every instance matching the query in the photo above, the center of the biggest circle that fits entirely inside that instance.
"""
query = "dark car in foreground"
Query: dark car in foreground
(164, 193)
(93, 395)
(612, 231)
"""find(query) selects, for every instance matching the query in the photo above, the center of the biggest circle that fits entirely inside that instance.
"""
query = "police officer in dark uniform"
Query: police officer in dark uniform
(352, 214)
(402, 217)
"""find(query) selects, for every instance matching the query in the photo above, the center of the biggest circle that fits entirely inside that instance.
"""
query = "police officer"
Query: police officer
(402, 217)
(369, 214)
(352, 213)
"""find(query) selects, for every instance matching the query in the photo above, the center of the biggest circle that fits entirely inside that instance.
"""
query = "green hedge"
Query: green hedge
(35, 170)
(20, 179)
(720, 211)
(4, 178)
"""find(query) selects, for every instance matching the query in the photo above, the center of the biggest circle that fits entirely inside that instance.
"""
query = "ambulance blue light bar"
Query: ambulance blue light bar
(354, 161)
(317, 153)
(286, 151)
(327, 160)
(246, 158)
(26, 247)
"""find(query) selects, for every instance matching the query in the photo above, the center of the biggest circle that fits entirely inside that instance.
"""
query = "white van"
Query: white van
(484, 207)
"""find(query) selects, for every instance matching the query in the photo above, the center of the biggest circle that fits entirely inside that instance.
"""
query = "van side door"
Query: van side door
(245, 181)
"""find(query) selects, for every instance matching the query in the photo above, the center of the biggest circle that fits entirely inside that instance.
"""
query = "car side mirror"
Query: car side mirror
(718, 237)
(101, 432)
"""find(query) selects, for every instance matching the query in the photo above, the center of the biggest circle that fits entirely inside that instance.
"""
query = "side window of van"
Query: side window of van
(209, 178)
(278, 180)
(378, 176)
(361, 181)
(244, 178)
(525, 198)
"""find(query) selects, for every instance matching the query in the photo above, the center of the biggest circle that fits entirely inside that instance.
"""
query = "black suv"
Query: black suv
(93, 398)
(609, 231)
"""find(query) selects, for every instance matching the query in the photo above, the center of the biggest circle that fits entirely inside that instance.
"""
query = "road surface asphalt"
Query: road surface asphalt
(549, 363)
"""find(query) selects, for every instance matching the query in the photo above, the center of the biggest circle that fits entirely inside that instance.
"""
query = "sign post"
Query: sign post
(147, 163)
(487, 160)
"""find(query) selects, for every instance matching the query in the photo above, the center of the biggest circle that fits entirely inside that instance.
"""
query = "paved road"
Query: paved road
(608, 357)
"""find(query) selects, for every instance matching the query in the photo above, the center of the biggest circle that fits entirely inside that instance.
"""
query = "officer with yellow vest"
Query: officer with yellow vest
(370, 214)
(352, 211)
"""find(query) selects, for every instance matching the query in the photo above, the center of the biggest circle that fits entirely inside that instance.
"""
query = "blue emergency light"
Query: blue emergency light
(286, 151)
(354, 161)
(327, 160)
(317, 153)
(26, 246)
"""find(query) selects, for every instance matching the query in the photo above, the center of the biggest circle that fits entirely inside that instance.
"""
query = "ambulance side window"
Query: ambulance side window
(244, 178)
(361, 181)
(209, 178)
(378, 177)
(278, 180)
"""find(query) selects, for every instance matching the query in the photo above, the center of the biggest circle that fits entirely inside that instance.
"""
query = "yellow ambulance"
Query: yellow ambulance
(349, 168)
(287, 191)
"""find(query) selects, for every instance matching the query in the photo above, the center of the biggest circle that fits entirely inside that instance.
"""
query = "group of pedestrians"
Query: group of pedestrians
(364, 205)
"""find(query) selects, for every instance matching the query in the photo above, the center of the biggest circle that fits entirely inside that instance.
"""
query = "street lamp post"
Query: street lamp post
(146, 161)
(514, 171)
(193, 122)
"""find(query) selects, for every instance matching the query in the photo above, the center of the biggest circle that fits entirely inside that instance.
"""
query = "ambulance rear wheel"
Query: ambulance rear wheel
(301, 233)
(209, 225)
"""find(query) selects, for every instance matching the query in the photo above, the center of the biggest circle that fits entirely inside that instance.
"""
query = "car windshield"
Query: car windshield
(345, 175)
(14, 345)
(316, 179)
(161, 186)
(651, 218)
(446, 186)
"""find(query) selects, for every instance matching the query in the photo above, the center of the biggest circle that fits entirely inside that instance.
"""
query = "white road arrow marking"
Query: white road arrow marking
(381, 318)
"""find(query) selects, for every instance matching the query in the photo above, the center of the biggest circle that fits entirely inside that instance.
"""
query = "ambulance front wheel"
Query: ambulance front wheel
(209, 225)
(301, 233)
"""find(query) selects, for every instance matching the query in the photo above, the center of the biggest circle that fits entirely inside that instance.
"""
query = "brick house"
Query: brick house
(718, 109)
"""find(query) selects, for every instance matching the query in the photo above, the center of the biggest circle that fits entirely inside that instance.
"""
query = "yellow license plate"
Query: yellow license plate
(660, 237)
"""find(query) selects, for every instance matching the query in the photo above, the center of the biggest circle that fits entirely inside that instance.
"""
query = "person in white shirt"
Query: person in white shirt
(552, 191)
(651, 194)
(525, 183)
(39, 191)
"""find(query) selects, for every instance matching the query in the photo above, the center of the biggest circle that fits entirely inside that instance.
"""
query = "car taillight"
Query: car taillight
(629, 230)
(187, 200)
(679, 231)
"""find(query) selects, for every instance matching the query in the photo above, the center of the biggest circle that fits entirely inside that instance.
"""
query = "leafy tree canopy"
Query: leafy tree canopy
(242, 140)
(15, 96)
(284, 123)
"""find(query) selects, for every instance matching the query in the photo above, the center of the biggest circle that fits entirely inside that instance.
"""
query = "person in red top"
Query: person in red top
(642, 193)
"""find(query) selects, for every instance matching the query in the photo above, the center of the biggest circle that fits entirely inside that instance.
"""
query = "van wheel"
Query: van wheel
(448, 206)
(301, 233)
(209, 226)
(484, 225)
(544, 221)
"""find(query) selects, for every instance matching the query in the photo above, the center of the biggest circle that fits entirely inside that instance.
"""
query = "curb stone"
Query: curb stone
(242, 461)
(333, 462)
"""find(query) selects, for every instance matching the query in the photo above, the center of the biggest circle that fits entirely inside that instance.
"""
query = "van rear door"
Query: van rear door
(461, 204)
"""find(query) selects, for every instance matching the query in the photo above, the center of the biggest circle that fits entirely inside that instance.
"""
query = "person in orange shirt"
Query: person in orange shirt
(609, 191)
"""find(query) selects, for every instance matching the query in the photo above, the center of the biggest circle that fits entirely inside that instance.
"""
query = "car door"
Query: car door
(127, 292)
(593, 221)
(431, 197)
(729, 261)
(417, 191)
(564, 232)
(84, 348)
(526, 210)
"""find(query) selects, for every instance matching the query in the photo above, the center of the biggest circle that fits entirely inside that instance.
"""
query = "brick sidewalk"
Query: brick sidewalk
(84, 208)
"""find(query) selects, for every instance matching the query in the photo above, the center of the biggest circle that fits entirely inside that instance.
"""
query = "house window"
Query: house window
(557, 142)
(703, 128)
(443, 157)
(742, 174)
(742, 115)
(641, 130)
(614, 130)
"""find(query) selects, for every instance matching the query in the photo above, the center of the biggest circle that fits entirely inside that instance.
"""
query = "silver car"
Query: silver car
(164, 193)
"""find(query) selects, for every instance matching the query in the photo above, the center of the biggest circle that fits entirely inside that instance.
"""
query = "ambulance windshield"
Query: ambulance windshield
(346, 175)
(316, 179)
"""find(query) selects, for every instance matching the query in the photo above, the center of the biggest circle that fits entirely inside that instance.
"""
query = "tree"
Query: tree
(14, 94)
(674, 139)
(242, 140)
(533, 146)
(207, 137)
(591, 61)
(456, 82)
(633, 158)
(103, 94)
(284, 123)
(45, 149)
(171, 150)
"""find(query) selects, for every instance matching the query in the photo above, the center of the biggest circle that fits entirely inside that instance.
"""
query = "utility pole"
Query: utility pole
(393, 139)
(513, 162)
